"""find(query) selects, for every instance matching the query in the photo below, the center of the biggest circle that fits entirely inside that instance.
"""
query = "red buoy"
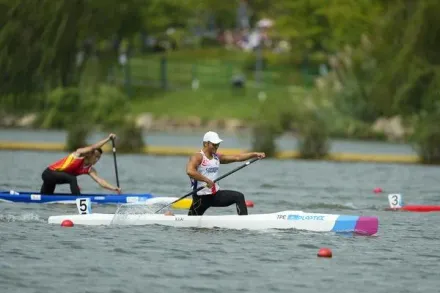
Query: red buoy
(249, 203)
(67, 223)
(377, 190)
(325, 252)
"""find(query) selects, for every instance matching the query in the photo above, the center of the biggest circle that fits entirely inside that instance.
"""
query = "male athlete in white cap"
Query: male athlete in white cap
(202, 168)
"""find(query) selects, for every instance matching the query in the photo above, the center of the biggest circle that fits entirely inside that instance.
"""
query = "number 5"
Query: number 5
(84, 206)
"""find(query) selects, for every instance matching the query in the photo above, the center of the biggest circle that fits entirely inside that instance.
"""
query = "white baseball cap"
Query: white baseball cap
(212, 136)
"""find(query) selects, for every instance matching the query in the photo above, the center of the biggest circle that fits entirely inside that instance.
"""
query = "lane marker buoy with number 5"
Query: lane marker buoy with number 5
(84, 206)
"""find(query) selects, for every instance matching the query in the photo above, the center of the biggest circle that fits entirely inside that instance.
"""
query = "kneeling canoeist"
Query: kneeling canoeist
(202, 168)
(80, 162)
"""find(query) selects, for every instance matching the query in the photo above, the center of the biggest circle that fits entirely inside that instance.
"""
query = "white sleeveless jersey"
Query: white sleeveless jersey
(208, 168)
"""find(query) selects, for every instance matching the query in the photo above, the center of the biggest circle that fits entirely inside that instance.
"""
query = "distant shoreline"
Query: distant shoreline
(185, 151)
(391, 129)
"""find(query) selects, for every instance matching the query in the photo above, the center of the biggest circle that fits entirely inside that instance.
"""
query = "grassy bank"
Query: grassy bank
(214, 68)
(207, 104)
(199, 83)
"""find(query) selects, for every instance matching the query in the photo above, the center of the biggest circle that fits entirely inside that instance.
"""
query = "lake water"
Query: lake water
(403, 257)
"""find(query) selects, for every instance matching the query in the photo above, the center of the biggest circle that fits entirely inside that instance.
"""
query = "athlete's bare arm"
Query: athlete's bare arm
(88, 149)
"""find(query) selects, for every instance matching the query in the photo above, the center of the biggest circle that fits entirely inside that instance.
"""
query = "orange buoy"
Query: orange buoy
(249, 203)
(67, 223)
(325, 252)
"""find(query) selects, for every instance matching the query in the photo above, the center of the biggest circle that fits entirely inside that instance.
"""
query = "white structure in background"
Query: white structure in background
(243, 15)
(258, 35)
(265, 23)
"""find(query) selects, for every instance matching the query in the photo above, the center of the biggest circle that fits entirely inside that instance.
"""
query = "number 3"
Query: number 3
(395, 200)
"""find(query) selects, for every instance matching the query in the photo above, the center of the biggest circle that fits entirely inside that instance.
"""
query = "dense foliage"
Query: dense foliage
(55, 57)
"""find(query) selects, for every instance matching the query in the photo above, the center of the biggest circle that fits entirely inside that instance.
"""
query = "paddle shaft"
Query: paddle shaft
(217, 179)
(114, 160)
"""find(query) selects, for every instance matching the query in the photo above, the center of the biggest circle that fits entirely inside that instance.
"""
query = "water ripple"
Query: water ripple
(37, 257)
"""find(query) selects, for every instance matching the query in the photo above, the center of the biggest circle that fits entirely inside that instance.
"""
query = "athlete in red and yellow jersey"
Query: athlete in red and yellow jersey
(80, 162)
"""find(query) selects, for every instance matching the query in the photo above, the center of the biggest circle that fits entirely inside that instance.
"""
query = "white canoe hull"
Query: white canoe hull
(281, 220)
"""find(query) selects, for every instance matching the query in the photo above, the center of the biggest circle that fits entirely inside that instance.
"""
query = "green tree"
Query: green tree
(39, 40)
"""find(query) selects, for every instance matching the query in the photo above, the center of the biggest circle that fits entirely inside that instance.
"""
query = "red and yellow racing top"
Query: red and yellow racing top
(71, 164)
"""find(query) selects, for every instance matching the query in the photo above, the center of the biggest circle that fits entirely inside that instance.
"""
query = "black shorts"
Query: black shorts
(52, 178)
(223, 198)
